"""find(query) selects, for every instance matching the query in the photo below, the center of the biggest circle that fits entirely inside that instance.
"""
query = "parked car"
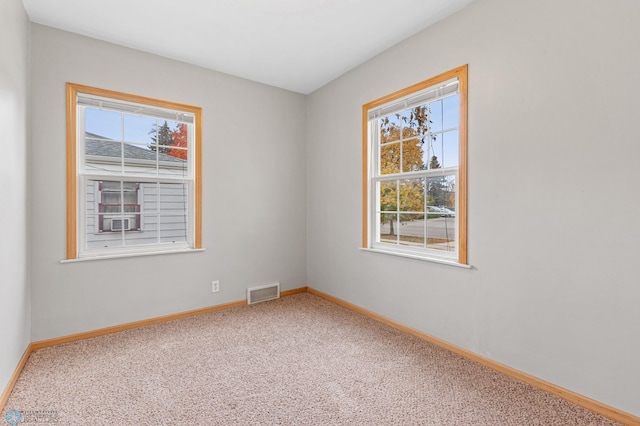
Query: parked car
(449, 212)
(441, 211)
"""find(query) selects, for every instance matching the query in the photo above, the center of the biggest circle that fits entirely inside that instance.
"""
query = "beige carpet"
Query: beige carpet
(299, 360)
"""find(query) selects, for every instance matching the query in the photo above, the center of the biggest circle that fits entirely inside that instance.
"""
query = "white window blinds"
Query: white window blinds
(443, 90)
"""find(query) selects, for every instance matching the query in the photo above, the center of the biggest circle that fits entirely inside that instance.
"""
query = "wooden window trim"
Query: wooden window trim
(461, 73)
(72, 91)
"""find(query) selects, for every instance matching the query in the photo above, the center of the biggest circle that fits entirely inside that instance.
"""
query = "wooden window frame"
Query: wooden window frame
(72, 91)
(461, 73)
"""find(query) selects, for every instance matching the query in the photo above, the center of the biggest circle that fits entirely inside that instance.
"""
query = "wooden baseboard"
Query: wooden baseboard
(41, 344)
(143, 323)
(14, 378)
(294, 291)
(580, 400)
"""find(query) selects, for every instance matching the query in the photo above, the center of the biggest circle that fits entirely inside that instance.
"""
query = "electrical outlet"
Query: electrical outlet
(215, 286)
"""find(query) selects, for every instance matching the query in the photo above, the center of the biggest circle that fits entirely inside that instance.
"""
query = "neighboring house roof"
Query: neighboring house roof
(100, 146)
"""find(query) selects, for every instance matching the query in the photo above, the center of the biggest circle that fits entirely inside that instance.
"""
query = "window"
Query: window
(414, 170)
(119, 208)
(133, 174)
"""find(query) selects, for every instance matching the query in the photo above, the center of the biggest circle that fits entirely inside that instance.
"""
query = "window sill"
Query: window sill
(125, 255)
(419, 257)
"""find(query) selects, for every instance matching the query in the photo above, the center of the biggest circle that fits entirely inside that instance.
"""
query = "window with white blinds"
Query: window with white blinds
(133, 174)
(414, 180)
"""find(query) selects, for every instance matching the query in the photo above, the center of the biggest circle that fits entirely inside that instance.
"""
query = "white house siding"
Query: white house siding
(172, 216)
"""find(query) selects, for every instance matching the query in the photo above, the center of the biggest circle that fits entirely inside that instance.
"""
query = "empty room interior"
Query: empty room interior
(311, 157)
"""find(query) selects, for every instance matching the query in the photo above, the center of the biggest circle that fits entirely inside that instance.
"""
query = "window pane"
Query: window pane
(100, 240)
(415, 121)
(173, 197)
(148, 233)
(139, 159)
(180, 136)
(160, 218)
(173, 228)
(150, 222)
(103, 123)
(390, 128)
(388, 196)
(390, 158)
(388, 207)
(412, 155)
(139, 232)
(441, 192)
(139, 129)
(412, 195)
(441, 232)
(130, 199)
(450, 150)
(169, 165)
(161, 136)
(105, 225)
(91, 196)
(149, 199)
(388, 228)
(451, 112)
(178, 152)
(412, 230)
(115, 192)
(409, 132)
(112, 207)
(435, 116)
(173, 212)
(444, 147)
(102, 155)
(432, 155)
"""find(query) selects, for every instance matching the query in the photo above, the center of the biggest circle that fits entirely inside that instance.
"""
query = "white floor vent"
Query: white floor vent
(263, 293)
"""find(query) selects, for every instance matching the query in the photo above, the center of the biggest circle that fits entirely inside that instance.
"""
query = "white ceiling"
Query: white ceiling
(298, 45)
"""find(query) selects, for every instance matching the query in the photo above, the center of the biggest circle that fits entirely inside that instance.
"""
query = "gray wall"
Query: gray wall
(254, 217)
(15, 313)
(553, 192)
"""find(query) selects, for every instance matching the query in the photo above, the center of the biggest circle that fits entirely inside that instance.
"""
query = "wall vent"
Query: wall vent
(263, 293)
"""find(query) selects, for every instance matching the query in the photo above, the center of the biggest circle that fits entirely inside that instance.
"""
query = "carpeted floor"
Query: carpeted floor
(299, 360)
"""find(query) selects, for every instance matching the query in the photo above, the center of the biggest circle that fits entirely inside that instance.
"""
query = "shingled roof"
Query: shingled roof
(100, 146)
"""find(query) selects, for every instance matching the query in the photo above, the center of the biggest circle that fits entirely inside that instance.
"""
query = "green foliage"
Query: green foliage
(434, 163)
(161, 137)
